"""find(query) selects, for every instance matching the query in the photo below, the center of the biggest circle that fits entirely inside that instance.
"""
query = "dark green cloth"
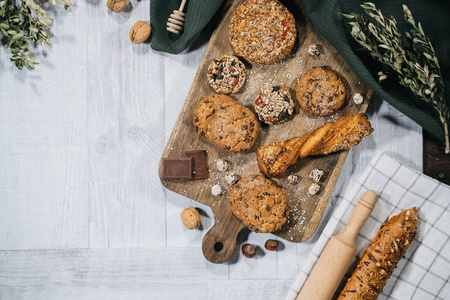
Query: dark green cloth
(433, 14)
(435, 18)
(198, 14)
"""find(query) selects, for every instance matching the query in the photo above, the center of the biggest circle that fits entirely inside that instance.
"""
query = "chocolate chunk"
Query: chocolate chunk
(200, 171)
(177, 168)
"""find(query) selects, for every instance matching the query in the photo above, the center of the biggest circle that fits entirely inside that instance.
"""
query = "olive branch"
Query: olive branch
(23, 22)
(419, 71)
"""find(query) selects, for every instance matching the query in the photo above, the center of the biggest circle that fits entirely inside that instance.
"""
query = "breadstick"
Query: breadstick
(381, 257)
(345, 133)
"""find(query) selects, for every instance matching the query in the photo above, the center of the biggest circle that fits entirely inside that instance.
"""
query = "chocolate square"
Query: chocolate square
(177, 168)
(200, 171)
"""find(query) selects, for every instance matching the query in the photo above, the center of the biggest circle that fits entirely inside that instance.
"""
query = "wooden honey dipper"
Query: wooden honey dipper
(176, 20)
(337, 255)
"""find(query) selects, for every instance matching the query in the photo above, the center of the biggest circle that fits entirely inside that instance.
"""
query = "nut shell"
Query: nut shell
(117, 6)
(248, 250)
(271, 245)
(140, 32)
(191, 218)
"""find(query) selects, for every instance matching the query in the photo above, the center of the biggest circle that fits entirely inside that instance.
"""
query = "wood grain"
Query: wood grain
(125, 108)
(306, 211)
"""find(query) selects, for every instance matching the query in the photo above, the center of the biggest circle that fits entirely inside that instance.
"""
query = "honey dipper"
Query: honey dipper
(176, 20)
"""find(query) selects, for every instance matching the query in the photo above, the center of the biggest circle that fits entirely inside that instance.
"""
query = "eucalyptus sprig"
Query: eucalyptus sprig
(417, 70)
(23, 22)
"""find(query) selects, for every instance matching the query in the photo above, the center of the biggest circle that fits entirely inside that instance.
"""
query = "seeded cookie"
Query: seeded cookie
(262, 31)
(226, 74)
(220, 119)
(320, 91)
(274, 105)
(261, 205)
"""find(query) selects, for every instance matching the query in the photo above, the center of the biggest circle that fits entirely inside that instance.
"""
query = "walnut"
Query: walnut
(140, 32)
(117, 6)
(191, 218)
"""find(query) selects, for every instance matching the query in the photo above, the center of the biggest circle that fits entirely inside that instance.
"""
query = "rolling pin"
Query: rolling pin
(337, 255)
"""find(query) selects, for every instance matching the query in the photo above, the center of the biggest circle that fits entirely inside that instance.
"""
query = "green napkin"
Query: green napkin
(198, 15)
(433, 14)
(435, 18)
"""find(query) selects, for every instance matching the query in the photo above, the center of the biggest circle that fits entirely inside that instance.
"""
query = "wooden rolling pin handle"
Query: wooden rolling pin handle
(358, 218)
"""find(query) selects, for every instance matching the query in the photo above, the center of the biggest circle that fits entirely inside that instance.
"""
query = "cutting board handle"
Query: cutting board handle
(219, 242)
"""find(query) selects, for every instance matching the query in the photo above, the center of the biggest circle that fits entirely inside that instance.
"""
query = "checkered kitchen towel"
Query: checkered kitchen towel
(424, 273)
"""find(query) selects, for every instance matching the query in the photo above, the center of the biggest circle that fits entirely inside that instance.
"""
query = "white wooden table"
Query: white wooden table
(83, 214)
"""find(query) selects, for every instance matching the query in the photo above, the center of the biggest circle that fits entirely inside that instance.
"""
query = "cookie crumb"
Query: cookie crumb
(292, 179)
(316, 174)
(313, 50)
(358, 98)
(231, 178)
(216, 190)
(313, 189)
(222, 165)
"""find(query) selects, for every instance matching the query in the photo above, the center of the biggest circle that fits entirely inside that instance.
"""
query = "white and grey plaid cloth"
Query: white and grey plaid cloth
(424, 272)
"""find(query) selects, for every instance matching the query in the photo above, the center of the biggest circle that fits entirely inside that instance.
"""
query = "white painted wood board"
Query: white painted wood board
(80, 140)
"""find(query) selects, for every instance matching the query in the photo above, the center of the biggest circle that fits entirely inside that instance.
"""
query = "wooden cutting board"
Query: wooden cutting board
(219, 242)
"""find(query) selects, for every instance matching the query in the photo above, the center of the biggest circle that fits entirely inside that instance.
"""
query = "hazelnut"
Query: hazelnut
(117, 6)
(191, 218)
(316, 174)
(271, 245)
(222, 165)
(231, 178)
(292, 179)
(140, 32)
(216, 190)
(358, 98)
(248, 250)
(313, 189)
(313, 50)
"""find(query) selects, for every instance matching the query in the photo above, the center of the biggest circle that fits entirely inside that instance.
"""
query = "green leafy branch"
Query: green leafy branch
(23, 23)
(419, 71)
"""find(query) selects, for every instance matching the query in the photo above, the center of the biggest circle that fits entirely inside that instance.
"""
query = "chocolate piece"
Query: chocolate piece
(200, 171)
(177, 168)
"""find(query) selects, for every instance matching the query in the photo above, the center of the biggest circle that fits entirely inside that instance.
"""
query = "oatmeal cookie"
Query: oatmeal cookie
(320, 91)
(226, 74)
(262, 31)
(274, 105)
(220, 119)
(262, 206)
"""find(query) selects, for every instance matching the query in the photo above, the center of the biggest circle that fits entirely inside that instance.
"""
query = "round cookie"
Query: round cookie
(274, 105)
(261, 205)
(262, 31)
(320, 91)
(226, 74)
(220, 119)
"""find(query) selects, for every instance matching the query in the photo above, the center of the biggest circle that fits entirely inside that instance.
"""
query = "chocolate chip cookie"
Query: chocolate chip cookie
(220, 119)
(262, 206)
(262, 31)
(320, 91)
(226, 74)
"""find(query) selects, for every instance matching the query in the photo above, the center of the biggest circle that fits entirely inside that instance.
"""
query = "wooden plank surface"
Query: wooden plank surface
(48, 136)
(306, 211)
